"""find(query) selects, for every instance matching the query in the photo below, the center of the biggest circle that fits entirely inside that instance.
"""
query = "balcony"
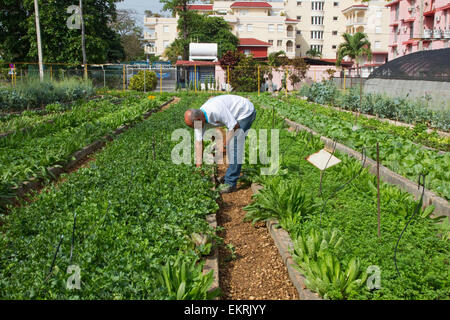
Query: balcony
(447, 34)
(228, 18)
(437, 34)
(150, 21)
(150, 36)
(427, 33)
(150, 50)
(357, 22)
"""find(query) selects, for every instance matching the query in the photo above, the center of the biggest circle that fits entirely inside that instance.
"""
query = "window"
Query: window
(271, 42)
(299, 18)
(317, 20)
(317, 5)
(316, 34)
(279, 43)
(379, 14)
(240, 27)
(333, 46)
(280, 28)
(335, 18)
(243, 12)
(299, 32)
(271, 27)
(377, 29)
(247, 52)
(249, 27)
(335, 4)
(165, 43)
(299, 3)
(298, 46)
(334, 33)
(166, 29)
(377, 44)
(317, 47)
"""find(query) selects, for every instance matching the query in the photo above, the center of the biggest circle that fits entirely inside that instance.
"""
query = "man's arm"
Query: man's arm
(231, 133)
(198, 153)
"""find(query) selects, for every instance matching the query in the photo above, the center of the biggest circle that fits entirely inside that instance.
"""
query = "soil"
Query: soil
(255, 271)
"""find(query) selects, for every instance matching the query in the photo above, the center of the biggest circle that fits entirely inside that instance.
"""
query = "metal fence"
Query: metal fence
(112, 76)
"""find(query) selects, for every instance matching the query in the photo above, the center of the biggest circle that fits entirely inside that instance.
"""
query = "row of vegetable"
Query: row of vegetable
(397, 151)
(28, 153)
(413, 111)
(34, 94)
(131, 221)
(334, 232)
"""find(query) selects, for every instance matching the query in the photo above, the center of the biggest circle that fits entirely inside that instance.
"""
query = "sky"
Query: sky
(140, 6)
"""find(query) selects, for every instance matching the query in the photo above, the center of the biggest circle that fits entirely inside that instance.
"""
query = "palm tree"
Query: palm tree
(313, 53)
(355, 47)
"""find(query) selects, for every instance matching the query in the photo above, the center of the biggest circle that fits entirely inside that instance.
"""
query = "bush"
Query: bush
(401, 109)
(137, 81)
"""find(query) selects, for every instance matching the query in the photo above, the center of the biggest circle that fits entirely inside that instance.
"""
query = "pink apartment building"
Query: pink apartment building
(418, 25)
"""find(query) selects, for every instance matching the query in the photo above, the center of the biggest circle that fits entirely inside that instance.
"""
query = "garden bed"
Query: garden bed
(338, 226)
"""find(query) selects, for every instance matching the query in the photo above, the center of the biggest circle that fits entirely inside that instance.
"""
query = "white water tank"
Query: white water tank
(203, 51)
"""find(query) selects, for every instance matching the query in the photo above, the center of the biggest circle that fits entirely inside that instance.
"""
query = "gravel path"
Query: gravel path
(255, 271)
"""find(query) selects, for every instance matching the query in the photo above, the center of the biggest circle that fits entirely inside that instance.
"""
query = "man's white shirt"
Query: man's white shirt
(224, 110)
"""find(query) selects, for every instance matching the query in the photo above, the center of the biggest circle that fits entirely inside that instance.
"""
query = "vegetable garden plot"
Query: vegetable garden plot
(337, 248)
(28, 154)
(396, 152)
(135, 211)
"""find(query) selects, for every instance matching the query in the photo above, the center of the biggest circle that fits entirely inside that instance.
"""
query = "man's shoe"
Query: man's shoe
(226, 188)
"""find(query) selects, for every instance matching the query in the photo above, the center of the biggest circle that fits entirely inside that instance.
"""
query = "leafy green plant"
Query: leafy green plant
(280, 199)
(144, 79)
(315, 257)
(185, 281)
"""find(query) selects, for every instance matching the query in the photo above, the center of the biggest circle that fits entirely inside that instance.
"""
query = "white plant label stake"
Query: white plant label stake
(322, 160)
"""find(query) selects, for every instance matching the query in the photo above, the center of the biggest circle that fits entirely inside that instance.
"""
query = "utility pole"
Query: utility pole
(39, 44)
(83, 42)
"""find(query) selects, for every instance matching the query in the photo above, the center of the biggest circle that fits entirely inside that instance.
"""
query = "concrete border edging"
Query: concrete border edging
(284, 244)
(212, 261)
(56, 170)
(430, 198)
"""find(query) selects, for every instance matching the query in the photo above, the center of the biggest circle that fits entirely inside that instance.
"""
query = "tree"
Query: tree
(180, 8)
(275, 60)
(59, 43)
(203, 28)
(13, 28)
(243, 71)
(313, 53)
(131, 35)
(297, 71)
(355, 47)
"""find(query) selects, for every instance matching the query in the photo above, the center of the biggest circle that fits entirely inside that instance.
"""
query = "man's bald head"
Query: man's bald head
(192, 115)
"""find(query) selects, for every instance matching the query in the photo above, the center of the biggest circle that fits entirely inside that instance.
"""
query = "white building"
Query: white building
(293, 26)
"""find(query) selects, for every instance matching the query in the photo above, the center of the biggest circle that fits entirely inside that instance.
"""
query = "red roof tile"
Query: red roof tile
(200, 7)
(251, 4)
(392, 3)
(252, 42)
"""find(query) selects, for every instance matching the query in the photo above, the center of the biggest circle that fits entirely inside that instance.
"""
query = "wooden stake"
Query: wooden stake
(259, 87)
(378, 190)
